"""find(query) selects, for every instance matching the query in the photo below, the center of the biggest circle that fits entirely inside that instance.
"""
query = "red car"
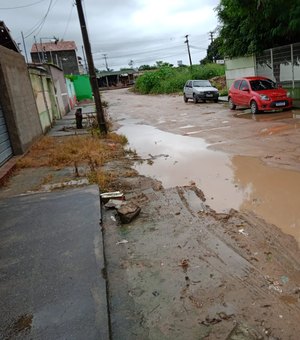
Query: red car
(258, 93)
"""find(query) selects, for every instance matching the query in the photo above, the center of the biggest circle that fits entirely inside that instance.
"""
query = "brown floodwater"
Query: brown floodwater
(238, 182)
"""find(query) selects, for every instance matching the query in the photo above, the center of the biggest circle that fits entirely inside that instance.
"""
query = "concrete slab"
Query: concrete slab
(67, 125)
(51, 262)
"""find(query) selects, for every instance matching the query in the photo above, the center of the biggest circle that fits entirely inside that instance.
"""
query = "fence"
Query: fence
(282, 64)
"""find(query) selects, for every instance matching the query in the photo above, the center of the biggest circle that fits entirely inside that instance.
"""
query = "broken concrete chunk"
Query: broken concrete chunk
(243, 332)
(114, 204)
(106, 196)
(128, 211)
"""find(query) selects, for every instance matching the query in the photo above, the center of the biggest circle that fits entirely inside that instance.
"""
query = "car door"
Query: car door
(189, 89)
(234, 92)
(244, 93)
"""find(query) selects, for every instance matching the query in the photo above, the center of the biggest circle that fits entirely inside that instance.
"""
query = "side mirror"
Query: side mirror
(279, 86)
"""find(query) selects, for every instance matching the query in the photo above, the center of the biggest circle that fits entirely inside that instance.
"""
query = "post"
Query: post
(188, 47)
(35, 43)
(84, 58)
(92, 73)
(43, 55)
(292, 62)
(24, 47)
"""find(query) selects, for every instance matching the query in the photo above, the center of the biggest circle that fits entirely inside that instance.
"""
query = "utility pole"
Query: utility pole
(84, 59)
(105, 58)
(188, 48)
(211, 33)
(92, 73)
(24, 47)
(211, 36)
(37, 49)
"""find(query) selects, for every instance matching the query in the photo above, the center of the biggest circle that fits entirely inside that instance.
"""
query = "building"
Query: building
(6, 40)
(19, 120)
(121, 78)
(60, 53)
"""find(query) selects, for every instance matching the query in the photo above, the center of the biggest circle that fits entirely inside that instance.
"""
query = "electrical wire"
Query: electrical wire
(24, 6)
(37, 28)
(68, 21)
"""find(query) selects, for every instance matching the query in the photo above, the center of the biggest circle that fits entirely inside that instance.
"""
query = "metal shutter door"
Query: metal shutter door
(5, 146)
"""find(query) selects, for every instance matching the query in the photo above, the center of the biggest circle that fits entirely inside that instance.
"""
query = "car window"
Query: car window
(236, 84)
(190, 83)
(262, 84)
(201, 83)
(244, 85)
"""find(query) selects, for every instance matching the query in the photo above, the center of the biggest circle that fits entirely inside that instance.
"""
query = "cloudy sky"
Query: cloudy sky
(143, 31)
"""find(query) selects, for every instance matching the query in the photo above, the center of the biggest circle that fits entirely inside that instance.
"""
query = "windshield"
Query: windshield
(201, 83)
(262, 84)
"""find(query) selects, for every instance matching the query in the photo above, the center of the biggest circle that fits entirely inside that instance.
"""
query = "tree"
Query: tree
(160, 64)
(249, 27)
(145, 67)
(214, 52)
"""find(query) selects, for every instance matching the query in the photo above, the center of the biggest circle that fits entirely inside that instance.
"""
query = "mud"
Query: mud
(238, 171)
(213, 253)
(201, 261)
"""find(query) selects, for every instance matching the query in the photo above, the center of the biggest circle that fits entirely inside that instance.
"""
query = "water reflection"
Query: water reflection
(189, 160)
(272, 193)
(242, 183)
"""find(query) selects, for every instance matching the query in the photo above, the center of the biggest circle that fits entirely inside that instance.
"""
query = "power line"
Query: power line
(141, 52)
(24, 6)
(68, 21)
(40, 25)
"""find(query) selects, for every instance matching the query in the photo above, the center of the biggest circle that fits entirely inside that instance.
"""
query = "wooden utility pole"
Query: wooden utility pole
(92, 73)
(188, 47)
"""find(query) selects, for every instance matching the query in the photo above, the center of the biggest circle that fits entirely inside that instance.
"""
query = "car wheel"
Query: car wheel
(203, 100)
(185, 98)
(254, 107)
(216, 100)
(195, 100)
(232, 106)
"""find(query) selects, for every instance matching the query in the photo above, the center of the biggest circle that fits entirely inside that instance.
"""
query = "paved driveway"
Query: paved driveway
(51, 257)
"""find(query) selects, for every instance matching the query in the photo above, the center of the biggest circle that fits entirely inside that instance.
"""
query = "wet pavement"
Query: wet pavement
(233, 161)
(228, 182)
(51, 260)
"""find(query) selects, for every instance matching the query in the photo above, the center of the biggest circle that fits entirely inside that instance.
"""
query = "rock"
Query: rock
(128, 212)
(114, 204)
(243, 332)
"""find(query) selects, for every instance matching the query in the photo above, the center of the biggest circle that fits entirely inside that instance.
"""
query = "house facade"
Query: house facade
(19, 120)
(61, 53)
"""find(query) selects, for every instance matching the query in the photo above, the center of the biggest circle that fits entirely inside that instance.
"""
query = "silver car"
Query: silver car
(200, 90)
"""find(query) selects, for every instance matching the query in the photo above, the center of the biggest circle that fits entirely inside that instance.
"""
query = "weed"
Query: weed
(47, 179)
(72, 151)
(104, 180)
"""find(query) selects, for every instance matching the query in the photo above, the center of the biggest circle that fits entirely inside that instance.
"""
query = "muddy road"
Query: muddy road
(238, 160)
(214, 253)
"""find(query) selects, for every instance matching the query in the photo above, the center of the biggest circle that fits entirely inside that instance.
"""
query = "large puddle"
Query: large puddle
(228, 182)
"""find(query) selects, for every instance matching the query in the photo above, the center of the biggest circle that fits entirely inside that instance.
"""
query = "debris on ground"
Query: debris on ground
(106, 196)
(122, 242)
(114, 204)
(128, 212)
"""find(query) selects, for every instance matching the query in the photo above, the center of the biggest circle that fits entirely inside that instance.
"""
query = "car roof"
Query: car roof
(252, 78)
(197, 79)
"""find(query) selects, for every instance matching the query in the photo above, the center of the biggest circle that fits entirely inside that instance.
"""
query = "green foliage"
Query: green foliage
(249, 27)
(214, 52)
(171, 80)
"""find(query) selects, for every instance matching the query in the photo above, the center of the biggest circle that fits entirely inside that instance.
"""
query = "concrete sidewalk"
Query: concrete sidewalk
(51, 265)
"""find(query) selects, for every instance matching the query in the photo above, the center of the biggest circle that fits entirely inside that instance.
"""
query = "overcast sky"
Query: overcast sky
(140, 30)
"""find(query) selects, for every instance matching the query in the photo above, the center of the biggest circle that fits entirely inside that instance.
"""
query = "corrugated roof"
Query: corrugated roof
(5, 38)
(52, 46)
